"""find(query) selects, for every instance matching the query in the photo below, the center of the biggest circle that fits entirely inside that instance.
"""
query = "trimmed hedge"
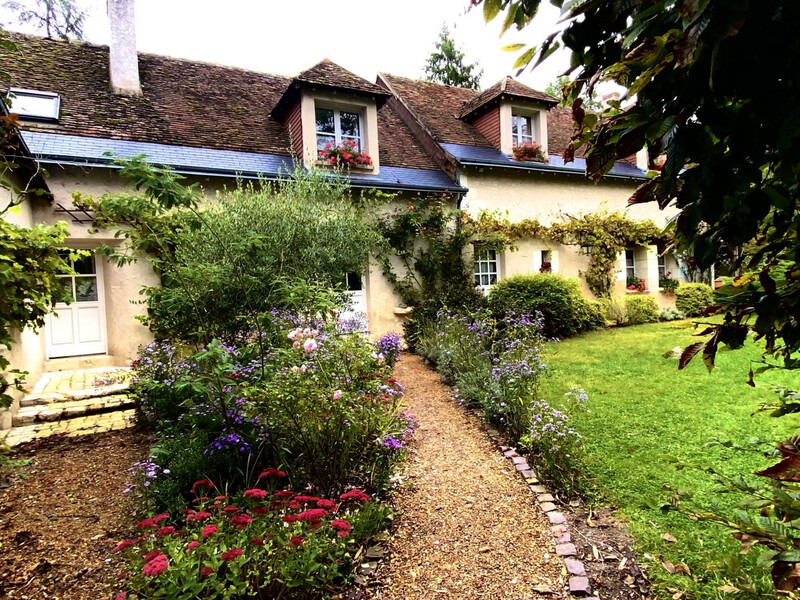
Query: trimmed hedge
(693, 298)
(641, 309)
(566, 312)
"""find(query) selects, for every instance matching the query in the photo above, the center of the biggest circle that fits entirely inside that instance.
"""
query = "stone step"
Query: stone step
(86, 425)
(70, 409)
(68, 395)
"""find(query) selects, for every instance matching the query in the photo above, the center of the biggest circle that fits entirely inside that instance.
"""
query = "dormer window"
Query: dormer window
(336, 126)
(35, 105)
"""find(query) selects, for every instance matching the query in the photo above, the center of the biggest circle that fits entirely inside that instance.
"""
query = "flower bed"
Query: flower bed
(309, 396)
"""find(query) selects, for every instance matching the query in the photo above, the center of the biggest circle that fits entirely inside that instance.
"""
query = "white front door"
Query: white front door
(79, 328)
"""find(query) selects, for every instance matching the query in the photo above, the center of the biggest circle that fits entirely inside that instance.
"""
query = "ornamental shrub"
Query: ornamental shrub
(693, 298)
(615, 310)
(641, 309)
(564, 309)
(270, 543)
(671, 314)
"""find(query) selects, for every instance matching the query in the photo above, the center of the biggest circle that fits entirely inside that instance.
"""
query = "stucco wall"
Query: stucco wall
(548, 198)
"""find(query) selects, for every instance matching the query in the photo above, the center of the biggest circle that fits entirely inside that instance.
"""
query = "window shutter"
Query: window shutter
(537, 261)
(554, 261)
(621, 274)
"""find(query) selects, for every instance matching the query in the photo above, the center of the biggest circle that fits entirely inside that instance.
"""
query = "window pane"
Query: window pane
(349, 124)
(33, 105)
(492, 279)
(323, 139)
(353, 282)
(484, 280)
(525, 126)
(86, 289)
(356, 141)
(67, 283)
(85, 265)
(477, 279)
(514, 128)
(325, 120)
(491, 255)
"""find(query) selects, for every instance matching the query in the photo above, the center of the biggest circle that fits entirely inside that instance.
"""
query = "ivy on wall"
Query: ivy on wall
(606, 234)
(424, 252)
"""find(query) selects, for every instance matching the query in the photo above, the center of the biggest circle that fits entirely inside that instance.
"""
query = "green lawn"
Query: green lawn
(642, 408)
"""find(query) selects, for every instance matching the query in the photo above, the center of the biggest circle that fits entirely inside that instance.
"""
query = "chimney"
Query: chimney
(123, 61)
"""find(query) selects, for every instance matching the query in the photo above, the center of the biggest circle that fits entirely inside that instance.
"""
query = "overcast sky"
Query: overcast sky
(364, 36)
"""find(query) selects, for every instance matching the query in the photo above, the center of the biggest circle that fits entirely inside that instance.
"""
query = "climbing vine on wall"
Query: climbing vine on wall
(605, 234)
(424, 252)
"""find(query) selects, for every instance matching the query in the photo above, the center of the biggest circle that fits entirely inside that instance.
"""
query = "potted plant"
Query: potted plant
(636, 284)
(667, 284)
(529, 152)
(345, 155)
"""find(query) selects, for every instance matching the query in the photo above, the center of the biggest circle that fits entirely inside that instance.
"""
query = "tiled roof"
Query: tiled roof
(508, 86)
(326, 75)
(183, 103)
(73, 149)
(439, 106)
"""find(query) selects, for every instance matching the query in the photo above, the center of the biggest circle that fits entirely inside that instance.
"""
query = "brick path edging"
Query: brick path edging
(578, 584)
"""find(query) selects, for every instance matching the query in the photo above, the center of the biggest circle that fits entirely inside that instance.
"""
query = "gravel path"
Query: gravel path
(467, 526)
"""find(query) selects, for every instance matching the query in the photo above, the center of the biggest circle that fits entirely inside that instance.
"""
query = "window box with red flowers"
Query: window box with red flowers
(636, 285)
(346, 155)
(529, 152)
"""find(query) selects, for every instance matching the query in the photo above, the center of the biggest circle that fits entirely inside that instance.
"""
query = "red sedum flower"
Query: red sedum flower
(209, 530)
(297, 540)
(165, 531)
(231, 554)
(156, 567)
(205, 572)
(125, 544)
(255, 494)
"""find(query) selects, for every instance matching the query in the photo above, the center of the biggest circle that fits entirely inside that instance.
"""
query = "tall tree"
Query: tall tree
(556, 89)
(57, 18)
(446, 64)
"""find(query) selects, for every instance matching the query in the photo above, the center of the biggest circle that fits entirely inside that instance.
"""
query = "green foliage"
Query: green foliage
(715, 94)
(446, 64)
(60, 18)
(692, 299)
(615, 309)
(268, 543)
(668, 284)
(257, 247)
(671, 314)
(605, 234)
(564, 309)
(641, 309)
(557, 90)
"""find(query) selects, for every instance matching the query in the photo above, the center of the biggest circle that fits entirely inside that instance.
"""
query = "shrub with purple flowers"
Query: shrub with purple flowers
(555, 443)
(390, 346)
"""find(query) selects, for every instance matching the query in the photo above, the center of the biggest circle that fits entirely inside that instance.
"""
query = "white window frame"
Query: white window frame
(24, 93)
(338, 136)
(532, 117)
(630, 263)
(486, 256)
(662, 265)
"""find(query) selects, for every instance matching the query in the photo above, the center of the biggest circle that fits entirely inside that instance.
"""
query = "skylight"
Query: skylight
(34, 105)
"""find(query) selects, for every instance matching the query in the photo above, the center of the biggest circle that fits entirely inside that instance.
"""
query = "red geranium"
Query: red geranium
(231, 554)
